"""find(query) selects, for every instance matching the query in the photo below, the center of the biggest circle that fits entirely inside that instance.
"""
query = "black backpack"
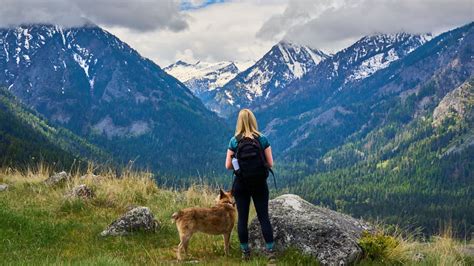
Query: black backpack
(252, 163)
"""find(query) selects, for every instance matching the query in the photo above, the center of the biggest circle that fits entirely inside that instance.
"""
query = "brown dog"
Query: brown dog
(216, 220)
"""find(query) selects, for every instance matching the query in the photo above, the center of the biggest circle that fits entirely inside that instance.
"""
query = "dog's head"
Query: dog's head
(226, 197)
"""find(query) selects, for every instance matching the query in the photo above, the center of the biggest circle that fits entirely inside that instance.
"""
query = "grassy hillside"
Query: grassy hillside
(27, 138)
(40, 226)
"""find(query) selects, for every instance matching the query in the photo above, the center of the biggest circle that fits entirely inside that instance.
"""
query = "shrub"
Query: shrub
(377, 246)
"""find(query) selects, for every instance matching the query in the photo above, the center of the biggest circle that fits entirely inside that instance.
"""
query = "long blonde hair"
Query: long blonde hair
(246, 124)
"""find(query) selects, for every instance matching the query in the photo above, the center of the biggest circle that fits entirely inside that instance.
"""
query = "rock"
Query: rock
(57, 179)
(3, 187)
(81, 191)
(329, 236)
(139, 218)
(419, 257)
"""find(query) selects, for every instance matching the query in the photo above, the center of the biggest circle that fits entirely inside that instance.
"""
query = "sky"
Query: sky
(240, 30)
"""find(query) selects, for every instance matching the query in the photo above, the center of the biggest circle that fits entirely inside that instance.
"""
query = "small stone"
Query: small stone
(3, 187)
(57, 179)
(137, 219)
(419, 257)
(81, 191)
(331, 237)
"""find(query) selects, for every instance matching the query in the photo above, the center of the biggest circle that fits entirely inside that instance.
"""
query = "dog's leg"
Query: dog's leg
(182, 245)
(185, 240)
(227, 243)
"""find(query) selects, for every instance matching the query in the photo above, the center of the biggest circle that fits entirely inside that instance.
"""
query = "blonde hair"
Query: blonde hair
(246, 124)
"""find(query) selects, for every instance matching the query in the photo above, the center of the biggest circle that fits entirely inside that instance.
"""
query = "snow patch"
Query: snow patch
(373, 64)
(230, 99)
(83, 63)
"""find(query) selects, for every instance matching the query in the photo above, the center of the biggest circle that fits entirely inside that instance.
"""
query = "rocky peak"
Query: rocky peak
(457, 103)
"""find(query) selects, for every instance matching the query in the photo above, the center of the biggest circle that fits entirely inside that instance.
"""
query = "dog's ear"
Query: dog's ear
(231, 192)
(222, 193)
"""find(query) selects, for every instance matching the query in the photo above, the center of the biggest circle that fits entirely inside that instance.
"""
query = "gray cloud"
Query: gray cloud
(333, 25)
(218, 32)
(139, 15)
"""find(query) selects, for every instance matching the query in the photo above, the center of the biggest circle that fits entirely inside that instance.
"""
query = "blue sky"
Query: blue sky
(190, 4)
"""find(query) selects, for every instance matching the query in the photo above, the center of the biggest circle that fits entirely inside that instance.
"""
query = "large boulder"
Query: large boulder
(137, 219)
(57, 179)
(329, 236)
(81, 191)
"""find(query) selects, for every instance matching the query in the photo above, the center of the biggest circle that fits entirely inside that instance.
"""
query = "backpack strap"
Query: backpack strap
(274, 179)
(233, 181)
(238, 138)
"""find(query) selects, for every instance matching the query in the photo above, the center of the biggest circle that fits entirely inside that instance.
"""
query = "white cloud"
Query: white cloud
(138, 15)
(224, 31)
(332, 25)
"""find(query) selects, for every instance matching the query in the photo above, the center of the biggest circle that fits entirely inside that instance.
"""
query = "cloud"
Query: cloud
(224, 31)
(331, 25)
(138, 15)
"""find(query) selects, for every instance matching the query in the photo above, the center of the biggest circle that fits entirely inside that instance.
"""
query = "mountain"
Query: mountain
(395, 146)
(203, 77)
(415, 174)
(284, 63)
(291, 116)
(90, 82)
(27, 139)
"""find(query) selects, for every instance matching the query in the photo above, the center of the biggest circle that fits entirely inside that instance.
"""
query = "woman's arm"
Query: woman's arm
(228, 160)
(269, 156)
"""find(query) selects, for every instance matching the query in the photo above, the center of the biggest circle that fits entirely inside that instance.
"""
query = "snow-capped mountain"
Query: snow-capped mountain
(89, 81)
(284, 63)
(350, 65)
(376, 52)
(201, 77)
(299, 112)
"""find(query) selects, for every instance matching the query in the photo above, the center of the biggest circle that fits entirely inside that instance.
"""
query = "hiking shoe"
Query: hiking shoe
(271, 255)
(246, 255)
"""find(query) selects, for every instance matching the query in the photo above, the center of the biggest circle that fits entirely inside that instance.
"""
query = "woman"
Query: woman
(257, 191)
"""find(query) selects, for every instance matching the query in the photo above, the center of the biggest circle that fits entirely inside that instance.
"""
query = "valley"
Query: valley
(382, 129)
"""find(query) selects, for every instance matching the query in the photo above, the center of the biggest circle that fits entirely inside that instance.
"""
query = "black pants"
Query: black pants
(243, 192)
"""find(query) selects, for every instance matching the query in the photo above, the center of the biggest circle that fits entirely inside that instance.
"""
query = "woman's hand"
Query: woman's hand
(228, 160)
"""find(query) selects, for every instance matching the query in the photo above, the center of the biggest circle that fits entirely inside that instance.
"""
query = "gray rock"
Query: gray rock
(57, 179)
(3, 187)
(329, 236)
(419, 257)
(139, 218)
(81, 191)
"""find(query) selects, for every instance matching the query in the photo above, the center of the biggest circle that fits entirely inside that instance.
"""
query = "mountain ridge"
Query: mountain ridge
(90, 82)
(284, 62)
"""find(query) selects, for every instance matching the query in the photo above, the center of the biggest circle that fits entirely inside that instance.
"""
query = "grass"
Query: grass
(41, 226)
(398, 248)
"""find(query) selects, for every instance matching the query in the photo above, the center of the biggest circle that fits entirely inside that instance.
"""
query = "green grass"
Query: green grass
(40, 226)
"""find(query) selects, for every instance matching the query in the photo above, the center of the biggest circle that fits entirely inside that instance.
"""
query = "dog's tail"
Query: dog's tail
(176, 216)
